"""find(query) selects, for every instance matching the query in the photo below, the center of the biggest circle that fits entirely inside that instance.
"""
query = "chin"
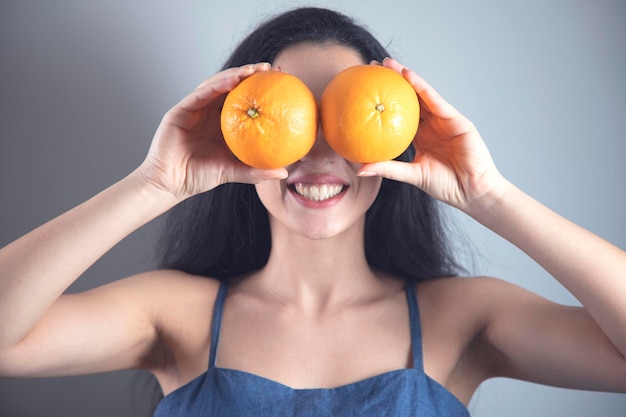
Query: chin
(327, 230)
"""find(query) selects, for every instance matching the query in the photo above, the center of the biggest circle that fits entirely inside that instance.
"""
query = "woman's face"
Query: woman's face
(322, 197)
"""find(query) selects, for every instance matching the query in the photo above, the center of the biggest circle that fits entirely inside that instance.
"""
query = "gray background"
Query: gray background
(83, 85)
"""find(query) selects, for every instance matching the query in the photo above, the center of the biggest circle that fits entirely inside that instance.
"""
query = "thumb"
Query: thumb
(410, 173)
(239, 172)
(257, 175)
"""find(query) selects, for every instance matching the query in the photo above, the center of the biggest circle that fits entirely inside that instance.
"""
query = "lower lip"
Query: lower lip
(318, 204)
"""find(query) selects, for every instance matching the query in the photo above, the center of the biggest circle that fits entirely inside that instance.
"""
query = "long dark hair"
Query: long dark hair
(225, 233)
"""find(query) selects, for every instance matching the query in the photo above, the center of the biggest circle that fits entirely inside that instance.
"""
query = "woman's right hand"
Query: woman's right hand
(188, 154)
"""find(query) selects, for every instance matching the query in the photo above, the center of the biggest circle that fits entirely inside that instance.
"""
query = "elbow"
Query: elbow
(5, 363)
(13, 361)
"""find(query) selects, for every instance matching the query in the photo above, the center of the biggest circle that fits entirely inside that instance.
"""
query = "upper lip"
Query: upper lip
(319, 178)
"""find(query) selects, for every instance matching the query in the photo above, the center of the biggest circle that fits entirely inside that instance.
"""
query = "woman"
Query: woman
(270, 304)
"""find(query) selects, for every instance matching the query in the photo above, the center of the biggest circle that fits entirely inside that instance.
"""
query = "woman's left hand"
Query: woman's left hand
(529, 333)
(452, 162)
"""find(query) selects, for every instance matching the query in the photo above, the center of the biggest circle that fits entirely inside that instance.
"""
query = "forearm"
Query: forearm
(38, 267)
(591, 268)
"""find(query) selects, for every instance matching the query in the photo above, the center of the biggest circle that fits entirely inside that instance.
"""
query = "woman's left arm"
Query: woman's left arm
(453, 165)
(591, 268)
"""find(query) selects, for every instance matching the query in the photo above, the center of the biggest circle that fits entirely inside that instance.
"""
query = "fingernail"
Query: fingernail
(366, 174)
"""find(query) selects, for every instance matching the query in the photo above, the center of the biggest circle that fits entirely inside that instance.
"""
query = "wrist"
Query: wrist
(487, 203)
(151, 194)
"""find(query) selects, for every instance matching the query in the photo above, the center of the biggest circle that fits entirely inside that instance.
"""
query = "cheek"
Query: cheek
(369, 188)
(271, 193)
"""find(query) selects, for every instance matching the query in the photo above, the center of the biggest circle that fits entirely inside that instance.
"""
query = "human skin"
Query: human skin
(317, 315)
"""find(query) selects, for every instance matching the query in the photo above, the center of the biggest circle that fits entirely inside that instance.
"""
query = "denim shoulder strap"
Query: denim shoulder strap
(416, 330)
(216, 325)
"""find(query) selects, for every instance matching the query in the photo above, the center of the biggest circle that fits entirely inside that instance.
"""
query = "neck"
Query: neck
(316, 274)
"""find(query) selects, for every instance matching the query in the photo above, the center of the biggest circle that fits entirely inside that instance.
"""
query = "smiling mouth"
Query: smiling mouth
(318, 192)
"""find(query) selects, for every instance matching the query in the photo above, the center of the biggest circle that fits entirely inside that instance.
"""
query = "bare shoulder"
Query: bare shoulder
(182, 308)
(455, 313)
(173, 300)
(469, 304)
(166, 294)
(136, 320)
(499, 329)
(467, 294)
(454, 305)
(177, 300)
(171, 285)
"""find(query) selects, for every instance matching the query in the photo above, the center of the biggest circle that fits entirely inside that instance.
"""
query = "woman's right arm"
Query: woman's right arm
(112, 327)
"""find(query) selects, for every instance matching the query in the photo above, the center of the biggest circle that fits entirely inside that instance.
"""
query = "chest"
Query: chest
(307, 351)
(304, 351)
(309, 366)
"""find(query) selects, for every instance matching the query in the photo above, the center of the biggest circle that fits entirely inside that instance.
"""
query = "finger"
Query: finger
(393, 64)
(239, 172)
(207, 93)
(219, 84)
(250, 175)
(256, 175)
(242, 71)
(429, 97)
(394, 170)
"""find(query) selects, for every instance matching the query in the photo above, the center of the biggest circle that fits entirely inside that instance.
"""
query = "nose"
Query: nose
(321, 152)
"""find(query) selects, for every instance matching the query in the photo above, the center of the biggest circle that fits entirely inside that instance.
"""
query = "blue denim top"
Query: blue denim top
(232, 393)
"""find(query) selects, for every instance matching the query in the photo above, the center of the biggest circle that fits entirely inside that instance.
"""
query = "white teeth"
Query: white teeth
(318, 192)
